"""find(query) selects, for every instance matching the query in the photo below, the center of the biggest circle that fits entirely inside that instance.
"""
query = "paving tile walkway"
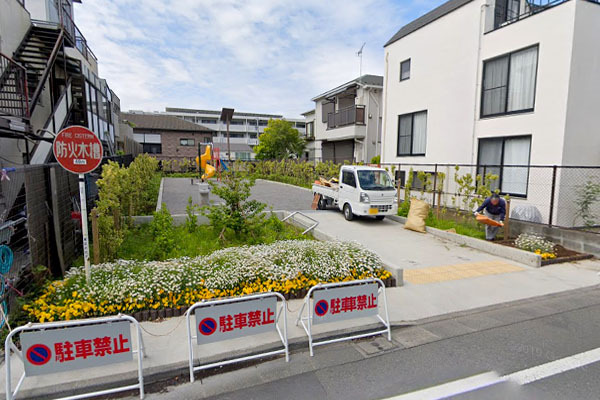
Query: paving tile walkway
(458, 271)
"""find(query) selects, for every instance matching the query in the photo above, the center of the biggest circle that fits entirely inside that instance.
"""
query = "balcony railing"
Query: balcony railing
(509, 11)
(352, 115)
(14, 98)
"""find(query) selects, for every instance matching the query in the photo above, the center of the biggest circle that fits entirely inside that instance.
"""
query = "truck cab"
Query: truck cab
(366, 191)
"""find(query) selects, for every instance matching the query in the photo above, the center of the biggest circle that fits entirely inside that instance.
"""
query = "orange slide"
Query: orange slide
(209, 170)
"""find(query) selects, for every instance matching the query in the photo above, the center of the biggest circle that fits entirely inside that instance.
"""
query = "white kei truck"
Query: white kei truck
(362, 191)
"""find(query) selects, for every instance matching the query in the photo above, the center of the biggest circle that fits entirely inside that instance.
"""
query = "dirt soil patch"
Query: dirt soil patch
(562, 254)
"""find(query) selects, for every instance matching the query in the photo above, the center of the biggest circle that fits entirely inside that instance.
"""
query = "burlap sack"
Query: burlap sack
(416, 215)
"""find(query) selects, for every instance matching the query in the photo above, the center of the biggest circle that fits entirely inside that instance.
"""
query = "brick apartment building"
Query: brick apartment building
(167, 137)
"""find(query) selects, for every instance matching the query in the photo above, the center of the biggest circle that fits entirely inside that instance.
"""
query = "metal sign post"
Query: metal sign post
(74, 345)
(219, 320)
(84, 227)
(78, 150)
(342, 301)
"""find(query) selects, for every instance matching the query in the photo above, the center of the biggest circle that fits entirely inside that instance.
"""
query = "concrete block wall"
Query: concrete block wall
(577, 240)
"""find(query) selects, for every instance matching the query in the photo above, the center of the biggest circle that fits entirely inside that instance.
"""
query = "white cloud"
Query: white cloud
(254, 55)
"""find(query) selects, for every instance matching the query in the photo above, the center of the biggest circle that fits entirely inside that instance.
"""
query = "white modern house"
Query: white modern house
(244, 129)
(347, 120)
(498, 83)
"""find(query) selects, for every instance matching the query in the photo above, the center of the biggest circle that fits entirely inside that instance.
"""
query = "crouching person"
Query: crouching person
(494, 208)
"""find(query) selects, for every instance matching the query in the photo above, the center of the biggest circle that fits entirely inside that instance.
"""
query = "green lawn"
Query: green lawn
(139, 243)
(461, 228)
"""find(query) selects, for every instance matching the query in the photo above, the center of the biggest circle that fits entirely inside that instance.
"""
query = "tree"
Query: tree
(279, 141)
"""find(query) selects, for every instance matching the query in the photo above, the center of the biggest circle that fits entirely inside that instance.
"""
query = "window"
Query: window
(509, 83)
(207, 139)
(300, 125)
(263, 122)
(152, 148)
(209, 121)
(348, 178)
(412, 134)
(310, 129)
(405, 70)
(186, 142)
(507, 157)
(326, 109)
(237, 122)
(506, 11)
(375, 180)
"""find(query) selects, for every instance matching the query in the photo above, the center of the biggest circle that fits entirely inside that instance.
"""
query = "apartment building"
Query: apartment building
(167, 137)
(502, 84)
(347, 120)
(48, 80)
(244, 129)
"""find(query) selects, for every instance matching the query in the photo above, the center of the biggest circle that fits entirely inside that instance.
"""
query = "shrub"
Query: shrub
(191, 221)
(299, 173)
(162, 233)
(238, 217)
(124, 192)
(376, 160)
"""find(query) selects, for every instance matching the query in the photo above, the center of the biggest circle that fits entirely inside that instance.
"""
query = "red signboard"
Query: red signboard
(77, 149)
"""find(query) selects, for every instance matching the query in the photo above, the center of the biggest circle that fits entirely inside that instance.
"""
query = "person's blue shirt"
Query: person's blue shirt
(499, 209)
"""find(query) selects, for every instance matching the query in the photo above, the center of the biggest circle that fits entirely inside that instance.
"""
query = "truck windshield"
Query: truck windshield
(375, 180)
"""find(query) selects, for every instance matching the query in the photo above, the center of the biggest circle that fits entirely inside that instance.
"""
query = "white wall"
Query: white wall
(443, 79)
(582, 130)
(552, 30)
(14, 24)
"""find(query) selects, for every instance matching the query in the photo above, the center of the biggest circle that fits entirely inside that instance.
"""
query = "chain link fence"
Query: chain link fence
(560, 196)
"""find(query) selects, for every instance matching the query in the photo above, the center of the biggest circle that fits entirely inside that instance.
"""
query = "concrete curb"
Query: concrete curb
(525, 257)
(285, 184)
(160, 194)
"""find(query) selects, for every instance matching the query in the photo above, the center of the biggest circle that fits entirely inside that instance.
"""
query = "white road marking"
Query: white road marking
(554, 367)
(486, 379)
(453, 388)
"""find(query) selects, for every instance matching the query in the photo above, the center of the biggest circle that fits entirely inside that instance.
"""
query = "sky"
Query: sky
(267, 56)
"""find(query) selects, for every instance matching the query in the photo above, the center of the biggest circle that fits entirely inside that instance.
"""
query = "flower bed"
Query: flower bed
(144, 287)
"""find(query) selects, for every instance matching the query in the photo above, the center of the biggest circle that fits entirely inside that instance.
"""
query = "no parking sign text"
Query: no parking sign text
(65, 349)
(232, 320)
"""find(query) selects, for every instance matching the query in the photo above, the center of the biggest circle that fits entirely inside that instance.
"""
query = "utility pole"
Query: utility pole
(226, 116)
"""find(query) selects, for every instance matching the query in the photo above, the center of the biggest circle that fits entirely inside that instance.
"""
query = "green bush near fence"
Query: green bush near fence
(299, 173)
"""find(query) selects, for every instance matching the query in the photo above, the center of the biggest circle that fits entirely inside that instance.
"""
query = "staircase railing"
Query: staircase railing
(75, 35)
(46, 73)
(14, 99)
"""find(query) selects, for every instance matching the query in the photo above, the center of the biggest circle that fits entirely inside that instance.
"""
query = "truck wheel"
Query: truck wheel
(322, 204)
(379, 217)
(348, 212)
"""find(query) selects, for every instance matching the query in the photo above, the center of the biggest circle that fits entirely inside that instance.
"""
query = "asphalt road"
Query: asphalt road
(496, 342)
(176, 192)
